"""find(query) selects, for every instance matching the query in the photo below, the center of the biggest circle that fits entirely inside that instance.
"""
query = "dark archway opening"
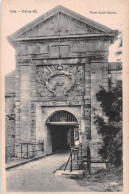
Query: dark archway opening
(62, 126)
(62, 137)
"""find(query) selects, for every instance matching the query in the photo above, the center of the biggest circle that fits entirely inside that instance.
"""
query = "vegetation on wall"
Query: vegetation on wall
(109, 125)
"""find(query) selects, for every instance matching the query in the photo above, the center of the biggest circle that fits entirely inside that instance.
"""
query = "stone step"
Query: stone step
(70, 173)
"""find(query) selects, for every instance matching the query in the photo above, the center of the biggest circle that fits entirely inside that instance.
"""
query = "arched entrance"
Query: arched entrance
(63, 130)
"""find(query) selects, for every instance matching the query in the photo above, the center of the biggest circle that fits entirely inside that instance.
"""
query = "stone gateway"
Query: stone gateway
(61, 62)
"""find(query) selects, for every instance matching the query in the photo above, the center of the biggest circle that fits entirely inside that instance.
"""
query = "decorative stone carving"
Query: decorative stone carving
(85, 26)
(60, 81)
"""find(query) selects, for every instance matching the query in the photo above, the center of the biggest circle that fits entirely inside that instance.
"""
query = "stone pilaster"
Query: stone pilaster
(105, 74)
(33, 82)
(33, 122)
(96, 82)
(17, 104)
(25, 103)
(33, 94)
(86, 107)
(83, 123)
(87, 99)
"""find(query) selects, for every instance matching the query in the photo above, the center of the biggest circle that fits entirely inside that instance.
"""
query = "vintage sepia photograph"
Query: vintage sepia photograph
(62, 66)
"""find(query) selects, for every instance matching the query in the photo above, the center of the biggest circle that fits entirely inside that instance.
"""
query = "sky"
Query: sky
(12, 21)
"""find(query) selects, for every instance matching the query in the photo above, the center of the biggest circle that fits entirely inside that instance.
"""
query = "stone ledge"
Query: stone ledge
(23, 162)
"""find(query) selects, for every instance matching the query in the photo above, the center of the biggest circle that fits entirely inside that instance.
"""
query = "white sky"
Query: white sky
(13, 21)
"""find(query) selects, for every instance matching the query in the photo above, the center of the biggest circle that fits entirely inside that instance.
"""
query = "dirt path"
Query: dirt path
(38, 176)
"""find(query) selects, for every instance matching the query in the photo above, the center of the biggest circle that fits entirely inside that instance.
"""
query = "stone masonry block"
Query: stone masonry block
(87, 85)
(88, 81)
(87, 73)
(87, 102)
(87, 93)
(87, 69)
(105, 84)
(87, 89)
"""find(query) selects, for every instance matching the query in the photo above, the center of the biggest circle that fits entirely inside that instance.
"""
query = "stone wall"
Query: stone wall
(55, 82)
(96, 75)
(10, 128)
(115, 72)
(9, 116)
(78, 47)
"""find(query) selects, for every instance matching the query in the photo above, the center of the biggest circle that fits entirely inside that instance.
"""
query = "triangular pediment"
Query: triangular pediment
(59, 21)
(59, 24)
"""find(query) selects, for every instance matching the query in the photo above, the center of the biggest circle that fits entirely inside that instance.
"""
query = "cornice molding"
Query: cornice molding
(104, 36)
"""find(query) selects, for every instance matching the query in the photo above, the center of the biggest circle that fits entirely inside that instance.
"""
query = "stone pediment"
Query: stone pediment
(61, 21)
